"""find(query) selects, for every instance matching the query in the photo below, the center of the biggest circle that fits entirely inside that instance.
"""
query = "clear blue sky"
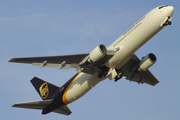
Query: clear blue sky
(59, 27)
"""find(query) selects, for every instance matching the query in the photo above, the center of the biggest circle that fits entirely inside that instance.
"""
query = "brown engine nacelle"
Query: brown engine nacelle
(99, 52)
(147, 62)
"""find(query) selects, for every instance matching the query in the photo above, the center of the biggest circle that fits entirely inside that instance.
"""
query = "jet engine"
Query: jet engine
(99, 52)
(147, 62)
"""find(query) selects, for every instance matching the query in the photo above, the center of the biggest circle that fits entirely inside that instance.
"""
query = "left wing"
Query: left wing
(70, 59)
(59, 62)
(77, 61)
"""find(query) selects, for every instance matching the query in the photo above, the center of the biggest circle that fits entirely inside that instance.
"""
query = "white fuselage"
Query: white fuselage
(128, 43)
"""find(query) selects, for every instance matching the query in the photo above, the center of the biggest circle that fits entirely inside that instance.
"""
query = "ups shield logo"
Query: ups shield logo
(44, 91)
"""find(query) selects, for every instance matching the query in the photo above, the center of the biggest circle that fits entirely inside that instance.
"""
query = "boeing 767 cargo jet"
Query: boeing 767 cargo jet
(113, 62)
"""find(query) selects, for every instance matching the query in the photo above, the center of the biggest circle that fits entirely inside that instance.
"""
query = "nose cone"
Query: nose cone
(170, 10)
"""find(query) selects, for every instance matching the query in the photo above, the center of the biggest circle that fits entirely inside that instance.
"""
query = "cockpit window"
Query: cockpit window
(163, 6)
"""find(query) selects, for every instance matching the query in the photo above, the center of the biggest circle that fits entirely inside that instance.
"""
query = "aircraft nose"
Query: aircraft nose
(170, 10)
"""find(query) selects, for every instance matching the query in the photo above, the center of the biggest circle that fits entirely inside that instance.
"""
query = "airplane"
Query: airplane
(113, 62)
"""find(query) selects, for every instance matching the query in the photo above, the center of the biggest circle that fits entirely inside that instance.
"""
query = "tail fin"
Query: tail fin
(46, 90)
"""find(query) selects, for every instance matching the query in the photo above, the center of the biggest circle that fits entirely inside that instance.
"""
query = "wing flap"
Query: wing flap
(57, 66)
(143, 77)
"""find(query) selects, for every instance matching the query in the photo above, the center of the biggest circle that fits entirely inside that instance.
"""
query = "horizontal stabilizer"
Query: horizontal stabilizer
(34, 104)
(63, 110)
(40, 105)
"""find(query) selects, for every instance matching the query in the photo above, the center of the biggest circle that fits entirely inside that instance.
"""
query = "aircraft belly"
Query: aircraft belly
(133, 39)
(83, 83)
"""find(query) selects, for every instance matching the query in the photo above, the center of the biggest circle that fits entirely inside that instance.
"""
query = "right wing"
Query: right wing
(131, 73)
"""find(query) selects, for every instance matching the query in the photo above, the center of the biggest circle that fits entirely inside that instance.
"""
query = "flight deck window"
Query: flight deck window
(162, 6)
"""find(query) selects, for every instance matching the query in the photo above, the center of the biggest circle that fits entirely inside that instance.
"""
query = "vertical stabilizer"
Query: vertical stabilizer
(46, 90)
